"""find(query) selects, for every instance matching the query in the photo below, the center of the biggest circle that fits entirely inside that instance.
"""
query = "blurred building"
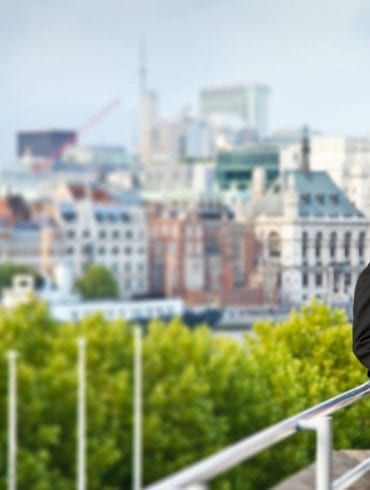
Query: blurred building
(346, 160)
(103, 157)
(195, 139)
(234, 168)
(249, 102)
(44, 143)
(102, 231)
(313, 238)
(202, 255)
(148, 137)
(66, 305)
(25, 239)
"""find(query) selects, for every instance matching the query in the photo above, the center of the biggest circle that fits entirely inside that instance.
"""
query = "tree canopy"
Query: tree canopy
(9, 270)
(201, 393)
(97, 282)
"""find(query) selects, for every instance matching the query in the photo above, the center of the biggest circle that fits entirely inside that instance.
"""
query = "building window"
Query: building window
(347, 279)
(99, 217)
(304, 279)
(87, 250)
(102, 234)
(333, 244)
(86, 233)
(318, 245)
(115, 251)
(129, 234)
(274, 245)
(334, 198)
(125, 218)
(336, 280)
(69, 216)
(347, 244)
(71, 234)
(361, 244)
(115, 234)
(101, 250)
(318, 279)
(304, 244)
(70, 251)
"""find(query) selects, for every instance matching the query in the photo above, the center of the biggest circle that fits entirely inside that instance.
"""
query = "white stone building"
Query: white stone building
(313, 239)
(110, 234)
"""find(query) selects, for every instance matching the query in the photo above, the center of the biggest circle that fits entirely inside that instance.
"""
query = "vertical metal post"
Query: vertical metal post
(12, 420)
(324, 441)
(81, 415)
(137, 440)
(323, 453)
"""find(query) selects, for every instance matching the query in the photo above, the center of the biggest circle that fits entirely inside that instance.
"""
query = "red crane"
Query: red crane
(48, 160)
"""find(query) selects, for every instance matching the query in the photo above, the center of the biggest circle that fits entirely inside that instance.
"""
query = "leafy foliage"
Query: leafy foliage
(201, 393)
(97, 282)
(9, 270)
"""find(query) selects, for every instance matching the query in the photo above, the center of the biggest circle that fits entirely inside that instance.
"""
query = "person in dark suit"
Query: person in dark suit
(361, 319)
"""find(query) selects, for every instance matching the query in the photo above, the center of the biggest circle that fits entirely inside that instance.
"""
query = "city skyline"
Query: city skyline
(63, 62)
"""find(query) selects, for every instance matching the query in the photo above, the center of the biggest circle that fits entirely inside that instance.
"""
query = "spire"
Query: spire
(142, 65)
(305, 148)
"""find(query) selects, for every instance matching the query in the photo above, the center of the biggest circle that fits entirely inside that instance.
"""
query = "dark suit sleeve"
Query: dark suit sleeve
(361, 319)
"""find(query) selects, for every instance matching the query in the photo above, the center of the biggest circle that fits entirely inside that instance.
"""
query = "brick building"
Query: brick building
(201, 254)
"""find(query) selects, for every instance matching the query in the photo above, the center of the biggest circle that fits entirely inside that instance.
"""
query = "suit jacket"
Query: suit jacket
(361, 319)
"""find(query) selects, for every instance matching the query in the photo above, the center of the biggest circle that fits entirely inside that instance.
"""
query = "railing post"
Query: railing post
(138, 409)
(12, 420)
(323, 428)
(81, 415)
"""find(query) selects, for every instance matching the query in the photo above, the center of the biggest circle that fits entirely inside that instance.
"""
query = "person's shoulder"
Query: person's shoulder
(364, 274)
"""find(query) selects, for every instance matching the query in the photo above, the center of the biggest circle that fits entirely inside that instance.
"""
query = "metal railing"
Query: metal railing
(316, 418)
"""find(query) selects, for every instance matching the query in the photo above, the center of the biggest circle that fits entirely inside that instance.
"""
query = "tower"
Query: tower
(305, 149)
(148, 111)
(142, 66)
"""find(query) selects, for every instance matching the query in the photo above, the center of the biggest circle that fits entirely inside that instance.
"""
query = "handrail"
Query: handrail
(231, 456)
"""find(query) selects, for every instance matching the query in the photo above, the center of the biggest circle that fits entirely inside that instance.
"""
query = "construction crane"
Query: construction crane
(90, 123)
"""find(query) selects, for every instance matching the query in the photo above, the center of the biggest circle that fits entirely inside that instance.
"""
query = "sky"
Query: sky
(62, 61)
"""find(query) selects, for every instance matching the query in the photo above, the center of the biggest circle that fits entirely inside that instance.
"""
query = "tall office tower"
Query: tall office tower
(250, 103)
(148, 112)
(148, 126)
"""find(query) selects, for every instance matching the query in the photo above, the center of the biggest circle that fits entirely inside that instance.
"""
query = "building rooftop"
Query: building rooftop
(317, 196)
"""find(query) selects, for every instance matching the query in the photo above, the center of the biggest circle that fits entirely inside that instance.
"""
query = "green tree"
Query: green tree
(97, 282)
(202, 392)
(9, 270)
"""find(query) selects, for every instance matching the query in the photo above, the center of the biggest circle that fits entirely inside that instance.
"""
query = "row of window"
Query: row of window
(333, 243)
(116, 234)
(320, 198)
(88, 250)
(71, 216)
(274, 244)
(318, 279)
